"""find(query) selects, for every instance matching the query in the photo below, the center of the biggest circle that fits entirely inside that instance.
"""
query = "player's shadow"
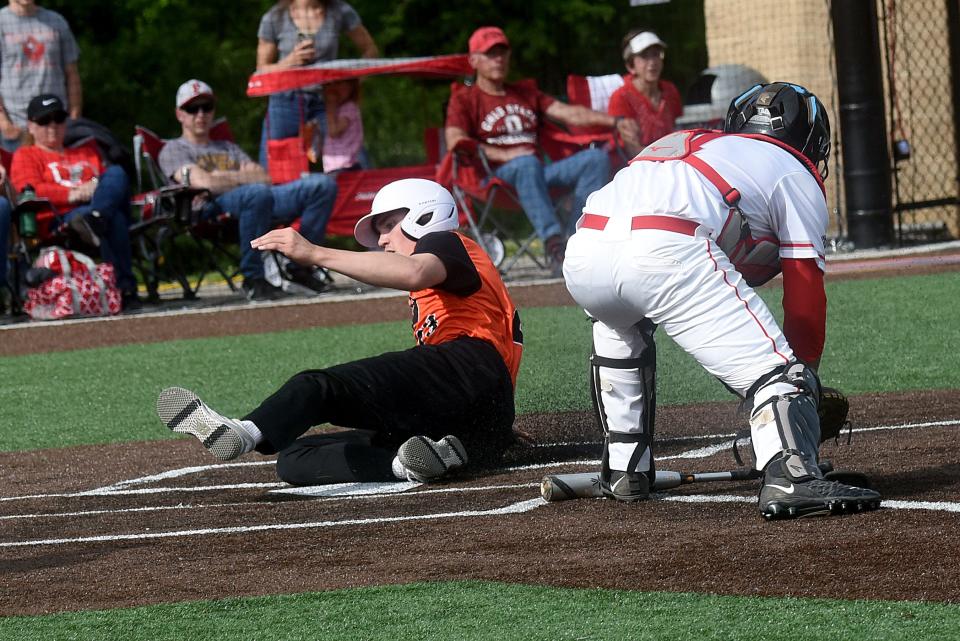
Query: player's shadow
(914, 483)
(70, 555)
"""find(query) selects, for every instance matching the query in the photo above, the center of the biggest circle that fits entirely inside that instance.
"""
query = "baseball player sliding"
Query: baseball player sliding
(458, 380)
(678, 240)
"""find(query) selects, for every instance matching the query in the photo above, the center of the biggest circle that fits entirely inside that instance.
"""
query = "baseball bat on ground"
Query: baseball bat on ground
(582, 485)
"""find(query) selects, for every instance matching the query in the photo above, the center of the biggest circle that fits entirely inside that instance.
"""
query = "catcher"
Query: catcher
(457, 381)
(678, 240)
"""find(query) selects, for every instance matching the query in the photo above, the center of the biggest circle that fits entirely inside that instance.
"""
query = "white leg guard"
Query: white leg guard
(623, 376)
(784, 415)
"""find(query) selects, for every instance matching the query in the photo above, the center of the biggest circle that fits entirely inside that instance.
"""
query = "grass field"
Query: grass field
(875, 343)
(465, 611)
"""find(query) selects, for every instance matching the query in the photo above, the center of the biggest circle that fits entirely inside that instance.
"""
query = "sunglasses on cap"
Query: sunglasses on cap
(60, 117)
(205, 107)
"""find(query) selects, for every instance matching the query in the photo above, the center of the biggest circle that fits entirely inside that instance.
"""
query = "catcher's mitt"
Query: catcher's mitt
(833, 411)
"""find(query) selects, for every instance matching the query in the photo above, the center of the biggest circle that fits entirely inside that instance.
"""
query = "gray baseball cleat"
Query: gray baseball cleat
(792, 488)
(424, 460)
(626, 486)
(183, 412)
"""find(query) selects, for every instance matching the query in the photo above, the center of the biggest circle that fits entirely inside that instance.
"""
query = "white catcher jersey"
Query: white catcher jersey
(780, 200)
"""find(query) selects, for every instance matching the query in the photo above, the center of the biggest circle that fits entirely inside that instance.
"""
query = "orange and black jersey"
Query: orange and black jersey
(471, 301)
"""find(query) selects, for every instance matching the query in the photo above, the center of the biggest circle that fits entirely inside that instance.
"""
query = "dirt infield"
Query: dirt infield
(140, 523)
(131, 524)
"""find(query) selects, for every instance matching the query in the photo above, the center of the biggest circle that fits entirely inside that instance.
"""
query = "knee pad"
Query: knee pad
(784, 415)
(623, 392)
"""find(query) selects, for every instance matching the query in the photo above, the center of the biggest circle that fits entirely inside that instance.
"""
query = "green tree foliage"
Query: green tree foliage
(135, 53)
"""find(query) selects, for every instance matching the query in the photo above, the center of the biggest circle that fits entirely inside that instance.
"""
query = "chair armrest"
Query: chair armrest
(35, 205)
(470, 149)
(469, 146)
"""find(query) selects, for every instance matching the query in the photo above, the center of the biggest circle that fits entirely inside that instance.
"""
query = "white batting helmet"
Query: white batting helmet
(428, 206)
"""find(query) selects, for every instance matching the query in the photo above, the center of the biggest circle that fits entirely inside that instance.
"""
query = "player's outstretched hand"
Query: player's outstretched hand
(289, 243)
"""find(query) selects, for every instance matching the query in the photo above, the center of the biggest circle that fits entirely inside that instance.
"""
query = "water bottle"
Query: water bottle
(28, 218)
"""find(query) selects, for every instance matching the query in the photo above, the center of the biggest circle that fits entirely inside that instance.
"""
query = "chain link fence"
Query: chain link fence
(918, 40)
(920, 48)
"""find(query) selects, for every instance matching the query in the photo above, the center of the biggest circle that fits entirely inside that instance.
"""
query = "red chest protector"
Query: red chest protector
(757, 259)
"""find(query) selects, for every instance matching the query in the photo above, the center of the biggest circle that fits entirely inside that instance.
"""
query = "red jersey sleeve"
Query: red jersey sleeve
(29, 168)
(458, 110)
(543, 101)
(804, 308)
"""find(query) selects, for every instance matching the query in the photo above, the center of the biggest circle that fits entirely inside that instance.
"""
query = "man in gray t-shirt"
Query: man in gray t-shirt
(38, 55)
(241, 187)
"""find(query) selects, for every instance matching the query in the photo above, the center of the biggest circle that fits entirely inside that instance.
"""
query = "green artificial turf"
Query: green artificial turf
(883, 335)
(464, 611)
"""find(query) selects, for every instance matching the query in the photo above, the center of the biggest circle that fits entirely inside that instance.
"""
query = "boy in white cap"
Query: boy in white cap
(645, 98)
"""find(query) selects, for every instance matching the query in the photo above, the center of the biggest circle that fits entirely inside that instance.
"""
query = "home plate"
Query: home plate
(349, 489)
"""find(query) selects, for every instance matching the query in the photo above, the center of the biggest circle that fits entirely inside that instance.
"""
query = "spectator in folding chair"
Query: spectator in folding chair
(239, 186)
(95, 198)
(38, 55)
(505, 119)
(645, 98)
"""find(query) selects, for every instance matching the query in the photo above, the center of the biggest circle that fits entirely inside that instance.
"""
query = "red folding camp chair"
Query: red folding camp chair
(594, 92)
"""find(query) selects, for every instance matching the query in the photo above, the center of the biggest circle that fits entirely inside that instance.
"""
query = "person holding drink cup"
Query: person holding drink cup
(297, 33)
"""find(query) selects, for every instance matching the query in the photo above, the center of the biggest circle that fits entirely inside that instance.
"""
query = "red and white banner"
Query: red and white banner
(268, 82)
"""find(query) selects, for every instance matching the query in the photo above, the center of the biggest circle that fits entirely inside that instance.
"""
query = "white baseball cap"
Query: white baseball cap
(640, 42)
(192, 89)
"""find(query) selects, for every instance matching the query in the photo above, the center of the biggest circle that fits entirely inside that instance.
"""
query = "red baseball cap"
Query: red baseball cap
(485, 38)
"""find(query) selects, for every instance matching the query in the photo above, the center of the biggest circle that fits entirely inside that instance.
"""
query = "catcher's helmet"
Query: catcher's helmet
(786, 112)
(427, 205)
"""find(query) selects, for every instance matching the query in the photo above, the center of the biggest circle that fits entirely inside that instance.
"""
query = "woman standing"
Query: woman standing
(295, 33)
(652, 102)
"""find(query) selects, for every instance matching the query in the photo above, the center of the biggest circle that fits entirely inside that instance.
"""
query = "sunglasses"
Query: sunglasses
(205, 107)
(59, 118)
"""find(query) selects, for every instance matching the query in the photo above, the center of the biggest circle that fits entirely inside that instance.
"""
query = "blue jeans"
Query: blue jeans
(112, 200)
(585, 171)
(258, 207)
(6, 212)
(286, 111)
(311, 198)
(252, 206)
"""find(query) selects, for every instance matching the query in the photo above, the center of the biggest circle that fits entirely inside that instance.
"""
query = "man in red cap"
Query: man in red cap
(505, 118)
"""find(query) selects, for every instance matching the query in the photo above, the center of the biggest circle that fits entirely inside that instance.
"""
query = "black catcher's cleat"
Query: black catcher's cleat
(792, 488)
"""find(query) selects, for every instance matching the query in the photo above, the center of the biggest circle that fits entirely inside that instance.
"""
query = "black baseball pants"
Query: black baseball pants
(461, 387)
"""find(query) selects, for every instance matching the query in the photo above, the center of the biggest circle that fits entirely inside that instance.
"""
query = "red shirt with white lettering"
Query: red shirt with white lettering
(509, 120)
(53, 174)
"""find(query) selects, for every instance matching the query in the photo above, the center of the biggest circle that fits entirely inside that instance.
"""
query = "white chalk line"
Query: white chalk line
(513, 508)
(304, 491)
(886, 504)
